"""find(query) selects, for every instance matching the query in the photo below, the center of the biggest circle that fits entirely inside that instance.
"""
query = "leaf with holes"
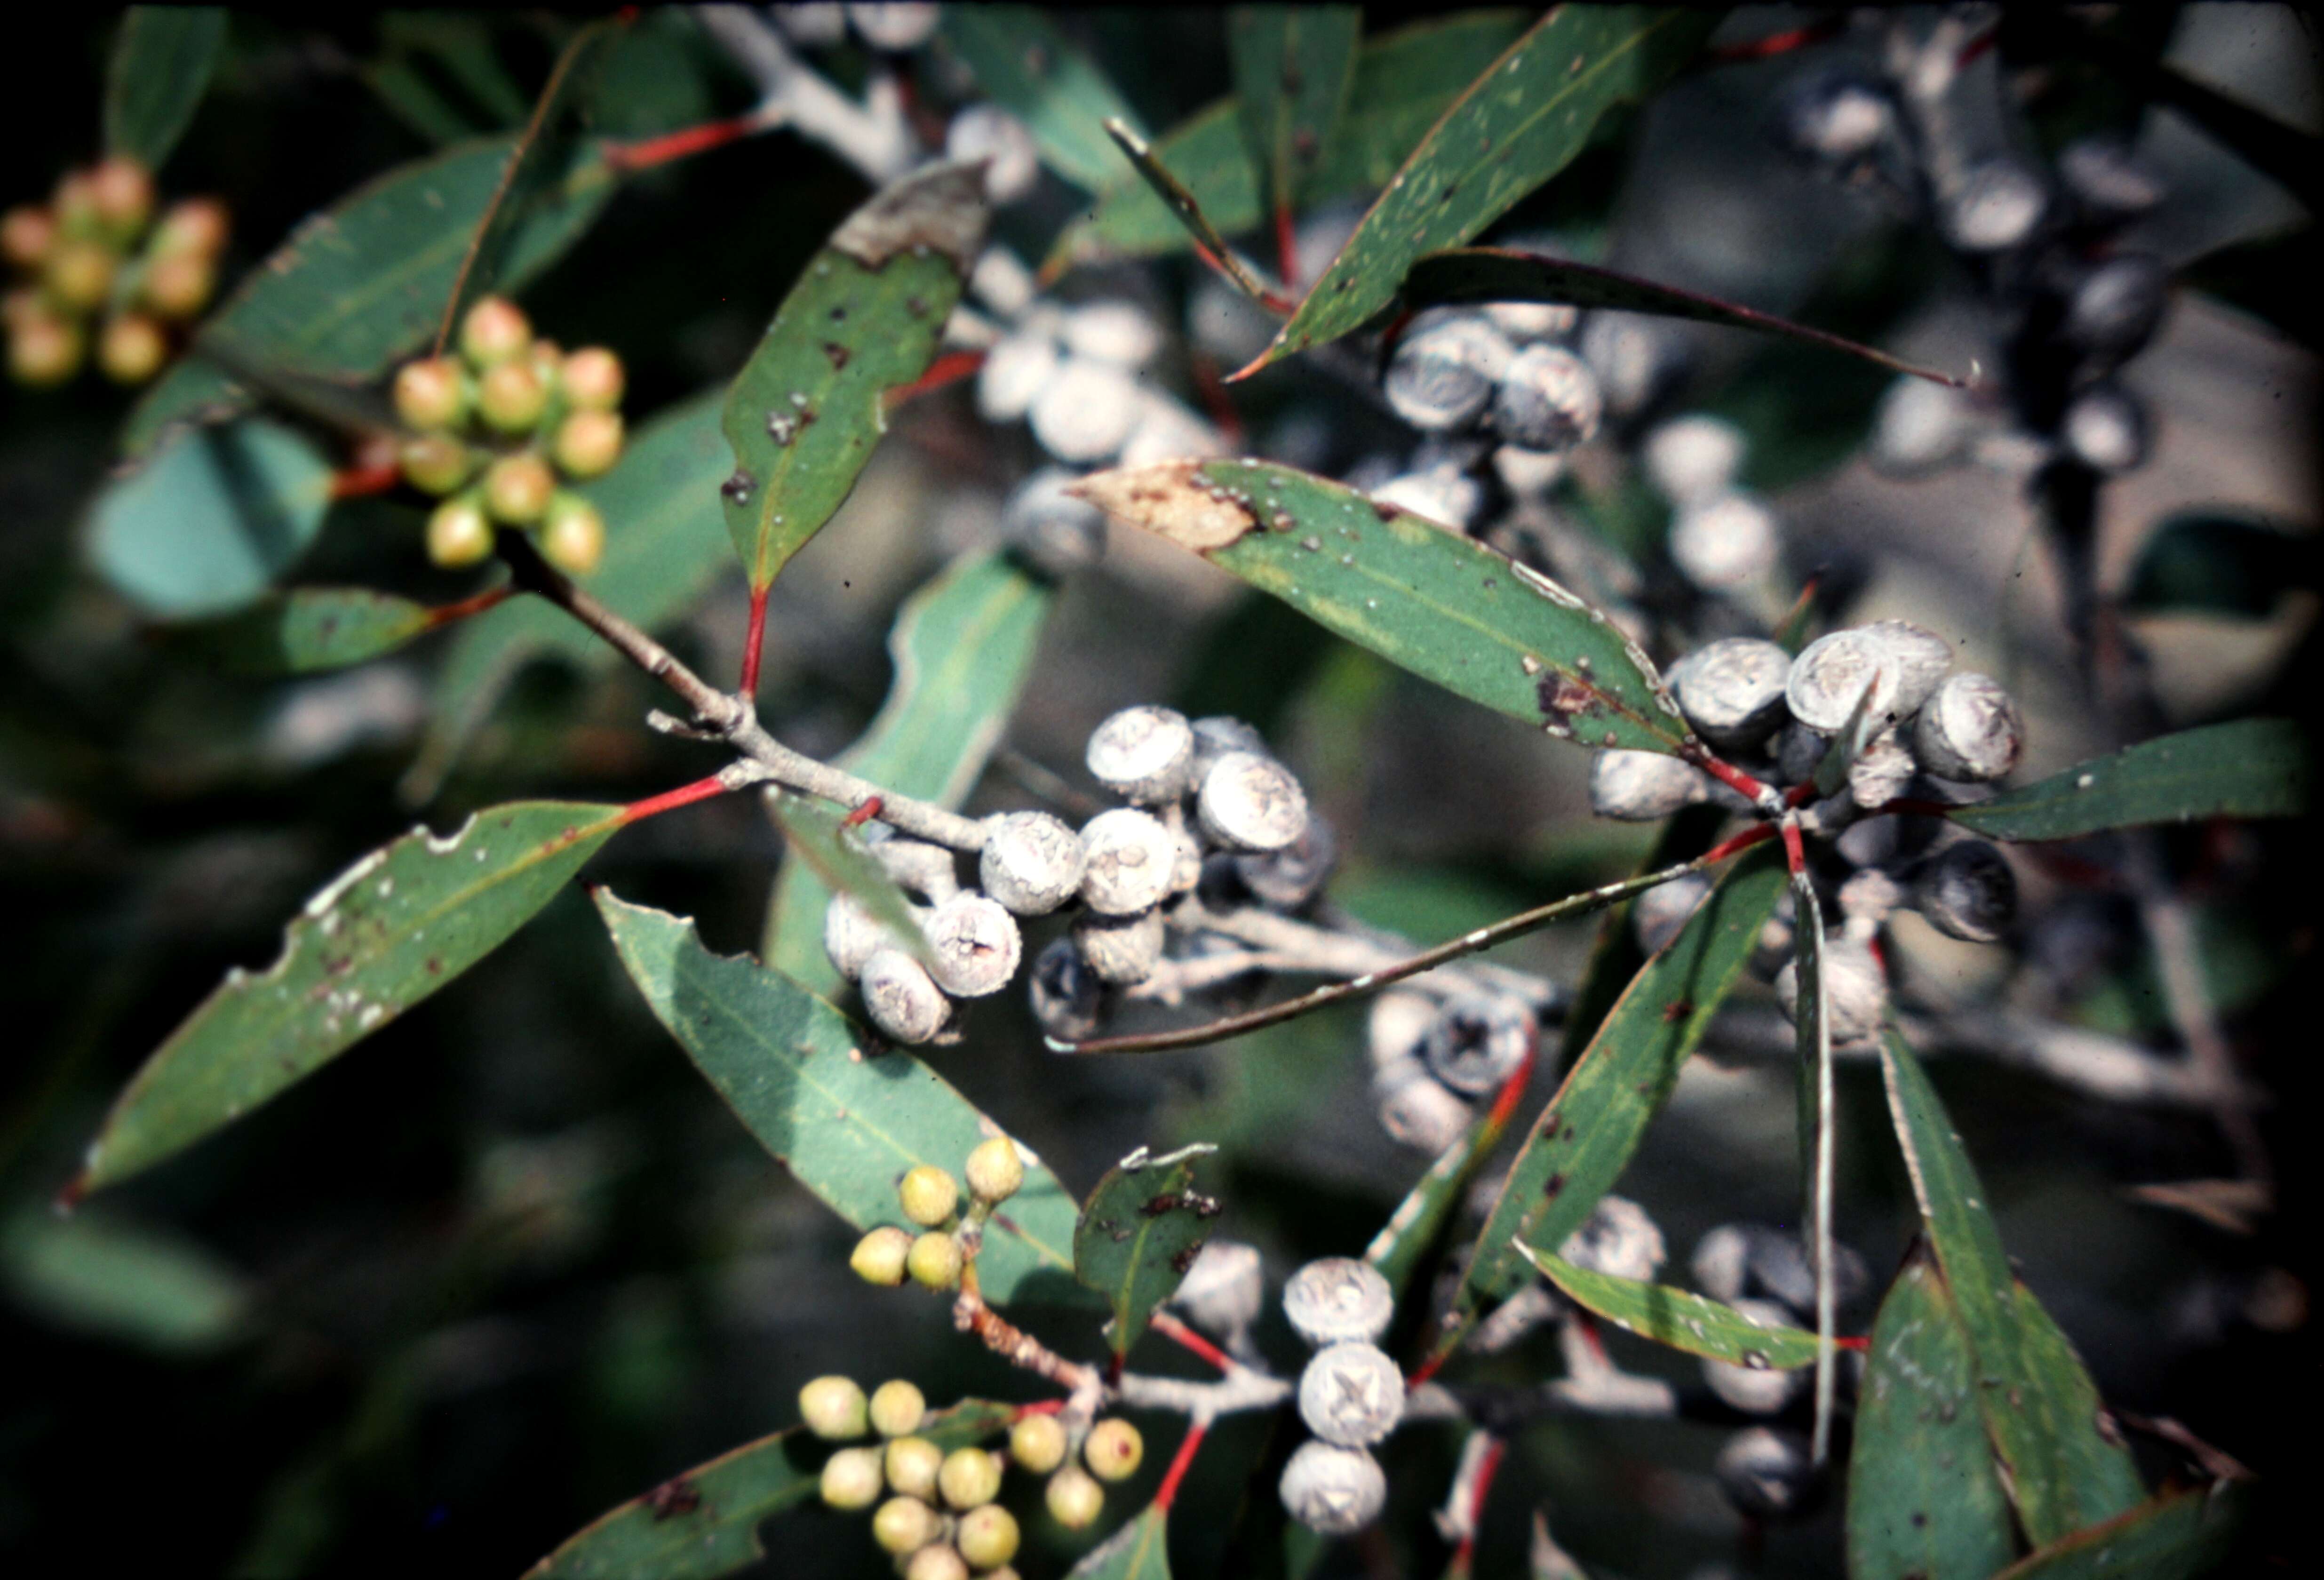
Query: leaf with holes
(865, 317)
(2250, 768)
(2176, 1537)
(961, 645)
(817, 834)
(1480, 274)
(161, 67)
(1519, 124)
(703, 1522)
(1293, 67)
(1403, 82)
(1586, 1135)
(1139, 1550)
(2067, 1466)
(1440, 603)
(847, 1123)
(1028, 68)
(378, 938)
(1922, 1497)
(1137, 1235)
(363, 283)
(1684, 1321)
(306, 630)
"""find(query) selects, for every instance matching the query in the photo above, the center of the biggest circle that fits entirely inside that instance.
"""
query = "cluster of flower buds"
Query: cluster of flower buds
(1209, 809)
(1350, 1396)
(94, 252)
(1914, 729)
(946, 1239)
(494, 431)
(939, 1518)
(1435, 1059)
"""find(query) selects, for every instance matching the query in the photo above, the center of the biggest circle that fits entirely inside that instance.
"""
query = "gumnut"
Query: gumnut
(1333, 1489)
(1338, 1300)
(1352, 1394)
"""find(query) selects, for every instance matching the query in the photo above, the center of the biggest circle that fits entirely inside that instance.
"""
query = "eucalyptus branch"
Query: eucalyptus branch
(874, 136)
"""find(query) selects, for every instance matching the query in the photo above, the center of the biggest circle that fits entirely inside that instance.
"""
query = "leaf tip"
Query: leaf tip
(1172, 499)
(943, 208)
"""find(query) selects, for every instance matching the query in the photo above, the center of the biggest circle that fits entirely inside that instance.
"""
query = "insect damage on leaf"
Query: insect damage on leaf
(1173, 499)
(943, 211)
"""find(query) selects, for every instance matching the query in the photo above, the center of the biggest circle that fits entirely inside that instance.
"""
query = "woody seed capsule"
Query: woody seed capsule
(1416, 1109)
(1065, 995)
(1834, 671)
(1085, 411)
(1333, 1489)
(2115, 308)
(1131, 859)
(1352, 1394)
(1919, 426)
(1338, 1300)
(1640, 786)
(1691, 460)
(1726, 541)
(2109, 179)
(2000, 203)
(1252, 803)
(973, 945)
(919, 867)
(1881, 771)
(1764, 1473)
(1223, 1290)
(987, 132)
(1548, 400)
(850, 934)
(1856, 990)
(1398, 1020)
(1617, 1239)
(1658, 915)
(1732, 691)
(1031, 862)
(1143, 754)
(901, 998)
(1056, 532)
(2105, 428)
(1120, 950)
(1758, 1391)
(1442, 374)
(1478, 1042)
(1968, 891)
(1014, 373)
(1287, 878)
(1969, 730)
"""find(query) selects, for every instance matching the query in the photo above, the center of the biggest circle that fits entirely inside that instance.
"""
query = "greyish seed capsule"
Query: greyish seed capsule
(1758, 1390)
(1085, 411)
(1143, 754)
(1066, 998)
(1528, 473)
(2108, 179)
(1920, 426)
(1416, 1109)
(1693, 458)
(1222, 1291)
(1617, 1239)
(1969, 730)
(1882, 770)
(1640, 786)
(1856, 990)
(1445, 495)
(1054, 532)
(1778, 1268)
(1656, 915)
(1870, 841)
(1014, 373)
(2000, 204)
(1120, 950)
(1352, 1394)
(889, 26)
(1863, 662)
(1732, 691)
(1333, 1489)
(1870, 896)
(1547, 400)
(1722, 1262)
(1835, 118)
(850, 934)
(1012, 158)
(1798, 751)
(1214, 737)
(1637, 359)
(1765, 1474)
(1527, 321)
(1968, 891)
(975, 945)
(1132, 858)
(1725, 542)
(1441, 376)
(1031, 862)
(1338, 1300)
(2105, 428)
(929, 871)
(1923, 658)
(1119, 332)
(1478, 1042)
(1287, 878)
(1252, 803)
(2117, 306)
(901, 998)
(1398, 1020)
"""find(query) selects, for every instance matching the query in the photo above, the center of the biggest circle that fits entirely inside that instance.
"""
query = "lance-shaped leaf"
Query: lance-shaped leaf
(1028, 68)
(817, 834)
(1811, 1028)
(865, 317)
(1139, 1550)
(1475, 275)
(665, 543)
(704, 1523)
(208, 522)
(380, 937)
(1520, 122)
(961, 645)
(1403, 80)
(847, 1123)
(1922, 1497)
(2249, 768)
(309, 629)
(1406, 1239)
(2067, 1465)
(161, 67)
(1676, 1317)
(1441, 605)
(1583, 1141)
(1293, 66)
(2176, 1537)
(1137, 1235)
(364, 283)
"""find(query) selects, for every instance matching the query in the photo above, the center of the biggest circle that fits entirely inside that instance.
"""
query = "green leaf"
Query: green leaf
(961, 645)
(130, 1283)
(1293, 67)
(2248, 768)
(1439, 604)
(1922, 1497)
(2041, 1409)
(665, 543)
(1419, 1220)
(208, 522)
(1028, 68)
(1404, 81)
(2176, 1537)
(848, 1126)
(1474, 274)
(2211, 562)
(161, 67)
(865, 317)
(378, 938)
(704, 1523)
(306, 630)
(1684, 1321)
(363, 283)
(1519, 124)
(817, 834)
(1139, 1550)
(1139, 1234)
(1811, 1027)
(1584, 1138)
(1214, 246)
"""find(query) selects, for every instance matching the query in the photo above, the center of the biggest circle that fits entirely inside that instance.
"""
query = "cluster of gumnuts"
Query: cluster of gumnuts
(94, 252)
(2044, 243)
(494, 431)
(1917, 731)
(1212, 816)
(1351, 1394)
(939, 1518)
(1435, 1059)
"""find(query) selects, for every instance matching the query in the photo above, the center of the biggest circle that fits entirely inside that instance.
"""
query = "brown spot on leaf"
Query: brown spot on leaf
(1677, 1010)
(1186, 1259)
(838, 354)
(1564, 699)
(1172, 499)
(1552, 1185)
(942, 208)
(677, 1495)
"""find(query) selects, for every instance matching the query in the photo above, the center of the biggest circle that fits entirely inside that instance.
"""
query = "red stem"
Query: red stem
(1168, 1490)
(1286, 248)
(359, 482)
(1186, 1339)
(650, 151)
(685, 795)
(1512, 1092)
(1732, 777)
(1777, 43)
(753, 641)
(1216, 402)
(1859, 1344)
(445, 613)
(1757, 834)
(950, 368)
(1495, 1451)
(1039, 1407)
(864, 813)
(1795, 856)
